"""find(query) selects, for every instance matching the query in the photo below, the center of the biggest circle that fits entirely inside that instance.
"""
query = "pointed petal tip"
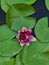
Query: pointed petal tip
(24, 28)
(33, 39)
(22, 44)
(17, 36)
(27, 44)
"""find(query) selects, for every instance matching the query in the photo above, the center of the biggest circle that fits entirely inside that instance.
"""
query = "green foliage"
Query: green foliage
(5, 4)
(10, 48)
(17, 12)
(11, 2)
(36, 59)
(42, 30)
(6, 33)
(6, 61)
(27, 57)
(20, 10)
(47, 4)
(17, 24)
(16, 17)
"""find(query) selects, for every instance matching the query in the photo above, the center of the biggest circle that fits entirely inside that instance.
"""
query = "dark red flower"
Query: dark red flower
(24, 36)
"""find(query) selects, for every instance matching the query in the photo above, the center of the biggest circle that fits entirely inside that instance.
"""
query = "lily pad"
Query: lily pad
(6, 33)
(10, 48)
(38, 59)
(4, 5)
(16, 17)
(17, 24)
(35, 48)
(20, 10)
(33, 55)
(11, 2)
(42, 30)
(17, 61)
(47, 4)
(6, 61)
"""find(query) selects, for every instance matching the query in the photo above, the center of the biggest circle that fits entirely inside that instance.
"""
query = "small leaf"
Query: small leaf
(11, 2)
(42, 30)
(17, 24)
(6, 61)
(47, 4)
(6, 33)
(10, 48)
(4, 5)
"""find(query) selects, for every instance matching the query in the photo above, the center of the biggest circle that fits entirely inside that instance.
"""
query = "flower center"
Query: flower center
(23, 37)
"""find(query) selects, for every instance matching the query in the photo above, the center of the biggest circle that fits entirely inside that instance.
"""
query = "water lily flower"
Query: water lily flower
(24, 36)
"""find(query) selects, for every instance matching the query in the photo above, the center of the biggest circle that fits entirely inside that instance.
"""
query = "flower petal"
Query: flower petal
(24, 28)
(22, 44)
(19, 32)
(30, 31)
(27, 44)
(18, 36)
(32, 38)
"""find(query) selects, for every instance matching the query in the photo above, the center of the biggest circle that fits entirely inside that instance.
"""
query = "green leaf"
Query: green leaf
(6, 33)
(32, 55)
(4, 5)
(17, 61)
(47, 4)
(20, 10)
(15, 16)
(42, 30)
(11, 2)
(10, 48)
(6, 61)
(39, 59)
(35, 48)
(17, 24)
